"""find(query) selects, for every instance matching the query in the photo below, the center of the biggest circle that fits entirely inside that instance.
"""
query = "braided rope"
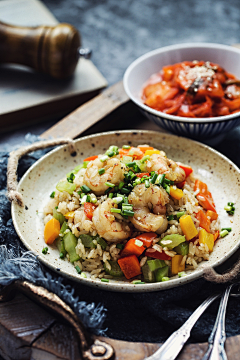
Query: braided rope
(14, 157)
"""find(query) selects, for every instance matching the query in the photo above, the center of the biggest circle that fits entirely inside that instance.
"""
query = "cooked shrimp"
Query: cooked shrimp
(146, 205)
(106, 224)
(163, 165)
(114, 173)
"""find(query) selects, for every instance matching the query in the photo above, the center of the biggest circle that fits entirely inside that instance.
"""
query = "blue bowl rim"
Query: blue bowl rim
(174, 117)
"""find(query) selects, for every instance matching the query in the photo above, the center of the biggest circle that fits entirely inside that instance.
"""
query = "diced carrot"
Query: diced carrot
(130, 266)
(90, 158)
(51, 231)
(206, 202)
(157, 254)
(181, 184)
(203, 220)
(213, 215)
(145, 148)
(133, 247)
(140, 175)
(136, 153)
(188, 170)
(89, 209)
(216, 235)
(147, 238)
(201, 187)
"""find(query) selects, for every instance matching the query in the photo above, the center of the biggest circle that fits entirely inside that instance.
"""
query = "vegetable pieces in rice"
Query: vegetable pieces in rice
(132, 213)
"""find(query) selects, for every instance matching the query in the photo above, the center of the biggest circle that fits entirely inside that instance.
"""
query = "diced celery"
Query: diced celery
(165, 278)
(115, 269)
(60, 246)
(161, 273)
(70, 242)
(171, 241)
(101, 242)
(64, 227)
(155, 264)
(182, 274)
(87, 240)
(127, 159)
(142, 166)
(66, 186)
(58, 216)
(149, 276)
(182, 249)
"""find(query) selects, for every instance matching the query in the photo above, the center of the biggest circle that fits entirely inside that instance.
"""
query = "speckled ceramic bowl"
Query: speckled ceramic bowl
(141, 69)
(220, 174)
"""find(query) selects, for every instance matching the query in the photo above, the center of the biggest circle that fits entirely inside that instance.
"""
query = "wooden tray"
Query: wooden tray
(27, 331)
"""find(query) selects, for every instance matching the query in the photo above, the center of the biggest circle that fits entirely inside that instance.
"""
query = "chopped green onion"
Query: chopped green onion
(131, 164)
(84, 199)
(82, 195)
(71, 178)
(128, 212)
(170, 217)
(79, 192)
(139, 243)
(118, 200)
(88, 199)
(56, 207)
(169, 182)
(114, 210)
(154, 178)
(78, 269)
(85, 188)
(118, 195)
(160, 179)
(144, 159)
(125, 201)
(182, 274)
(165, 278)
(45, 250)
(120, 246)
(61, 255)
(93, 198)
(110, 153)
(108, 190)
(109, 184)
(101, 171)
(127, 207)
(83, 275)
(110, 195)
(228, 229)
(104, 158)
(104, 280)
(125, 191)
(223, 233)
(167, 188)
(126, 146)
(66, 186)
(138, 181)
(147, 184)
(230, 203)
(52, 194)
(227, 208)
(180, 213)
(137, 282)
(120, 186)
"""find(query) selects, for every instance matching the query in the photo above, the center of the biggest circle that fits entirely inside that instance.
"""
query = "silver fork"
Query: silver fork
(173, 345)
(217, 337)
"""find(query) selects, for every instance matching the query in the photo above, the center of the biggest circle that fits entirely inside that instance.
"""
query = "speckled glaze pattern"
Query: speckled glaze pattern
(220, 174)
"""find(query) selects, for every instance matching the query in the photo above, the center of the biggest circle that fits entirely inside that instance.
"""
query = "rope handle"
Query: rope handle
(15, 156)
(211, 275)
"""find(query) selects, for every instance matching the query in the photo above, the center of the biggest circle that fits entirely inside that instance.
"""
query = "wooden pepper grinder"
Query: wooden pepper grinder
(53, 50)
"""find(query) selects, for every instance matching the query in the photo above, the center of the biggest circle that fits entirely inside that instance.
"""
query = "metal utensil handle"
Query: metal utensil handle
(172, 346)
(218, 335)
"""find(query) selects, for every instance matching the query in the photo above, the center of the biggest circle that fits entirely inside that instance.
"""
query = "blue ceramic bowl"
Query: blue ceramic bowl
(141, 69)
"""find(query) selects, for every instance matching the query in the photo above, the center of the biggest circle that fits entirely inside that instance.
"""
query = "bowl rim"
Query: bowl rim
(157, 113)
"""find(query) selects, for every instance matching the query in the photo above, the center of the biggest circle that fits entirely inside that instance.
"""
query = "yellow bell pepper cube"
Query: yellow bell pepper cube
(69, 215)
(206, 238)
(176, 193)
(188, 227)
(151, 152)
(176, 265)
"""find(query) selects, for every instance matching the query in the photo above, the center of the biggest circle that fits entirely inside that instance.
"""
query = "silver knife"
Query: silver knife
(173, 345)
